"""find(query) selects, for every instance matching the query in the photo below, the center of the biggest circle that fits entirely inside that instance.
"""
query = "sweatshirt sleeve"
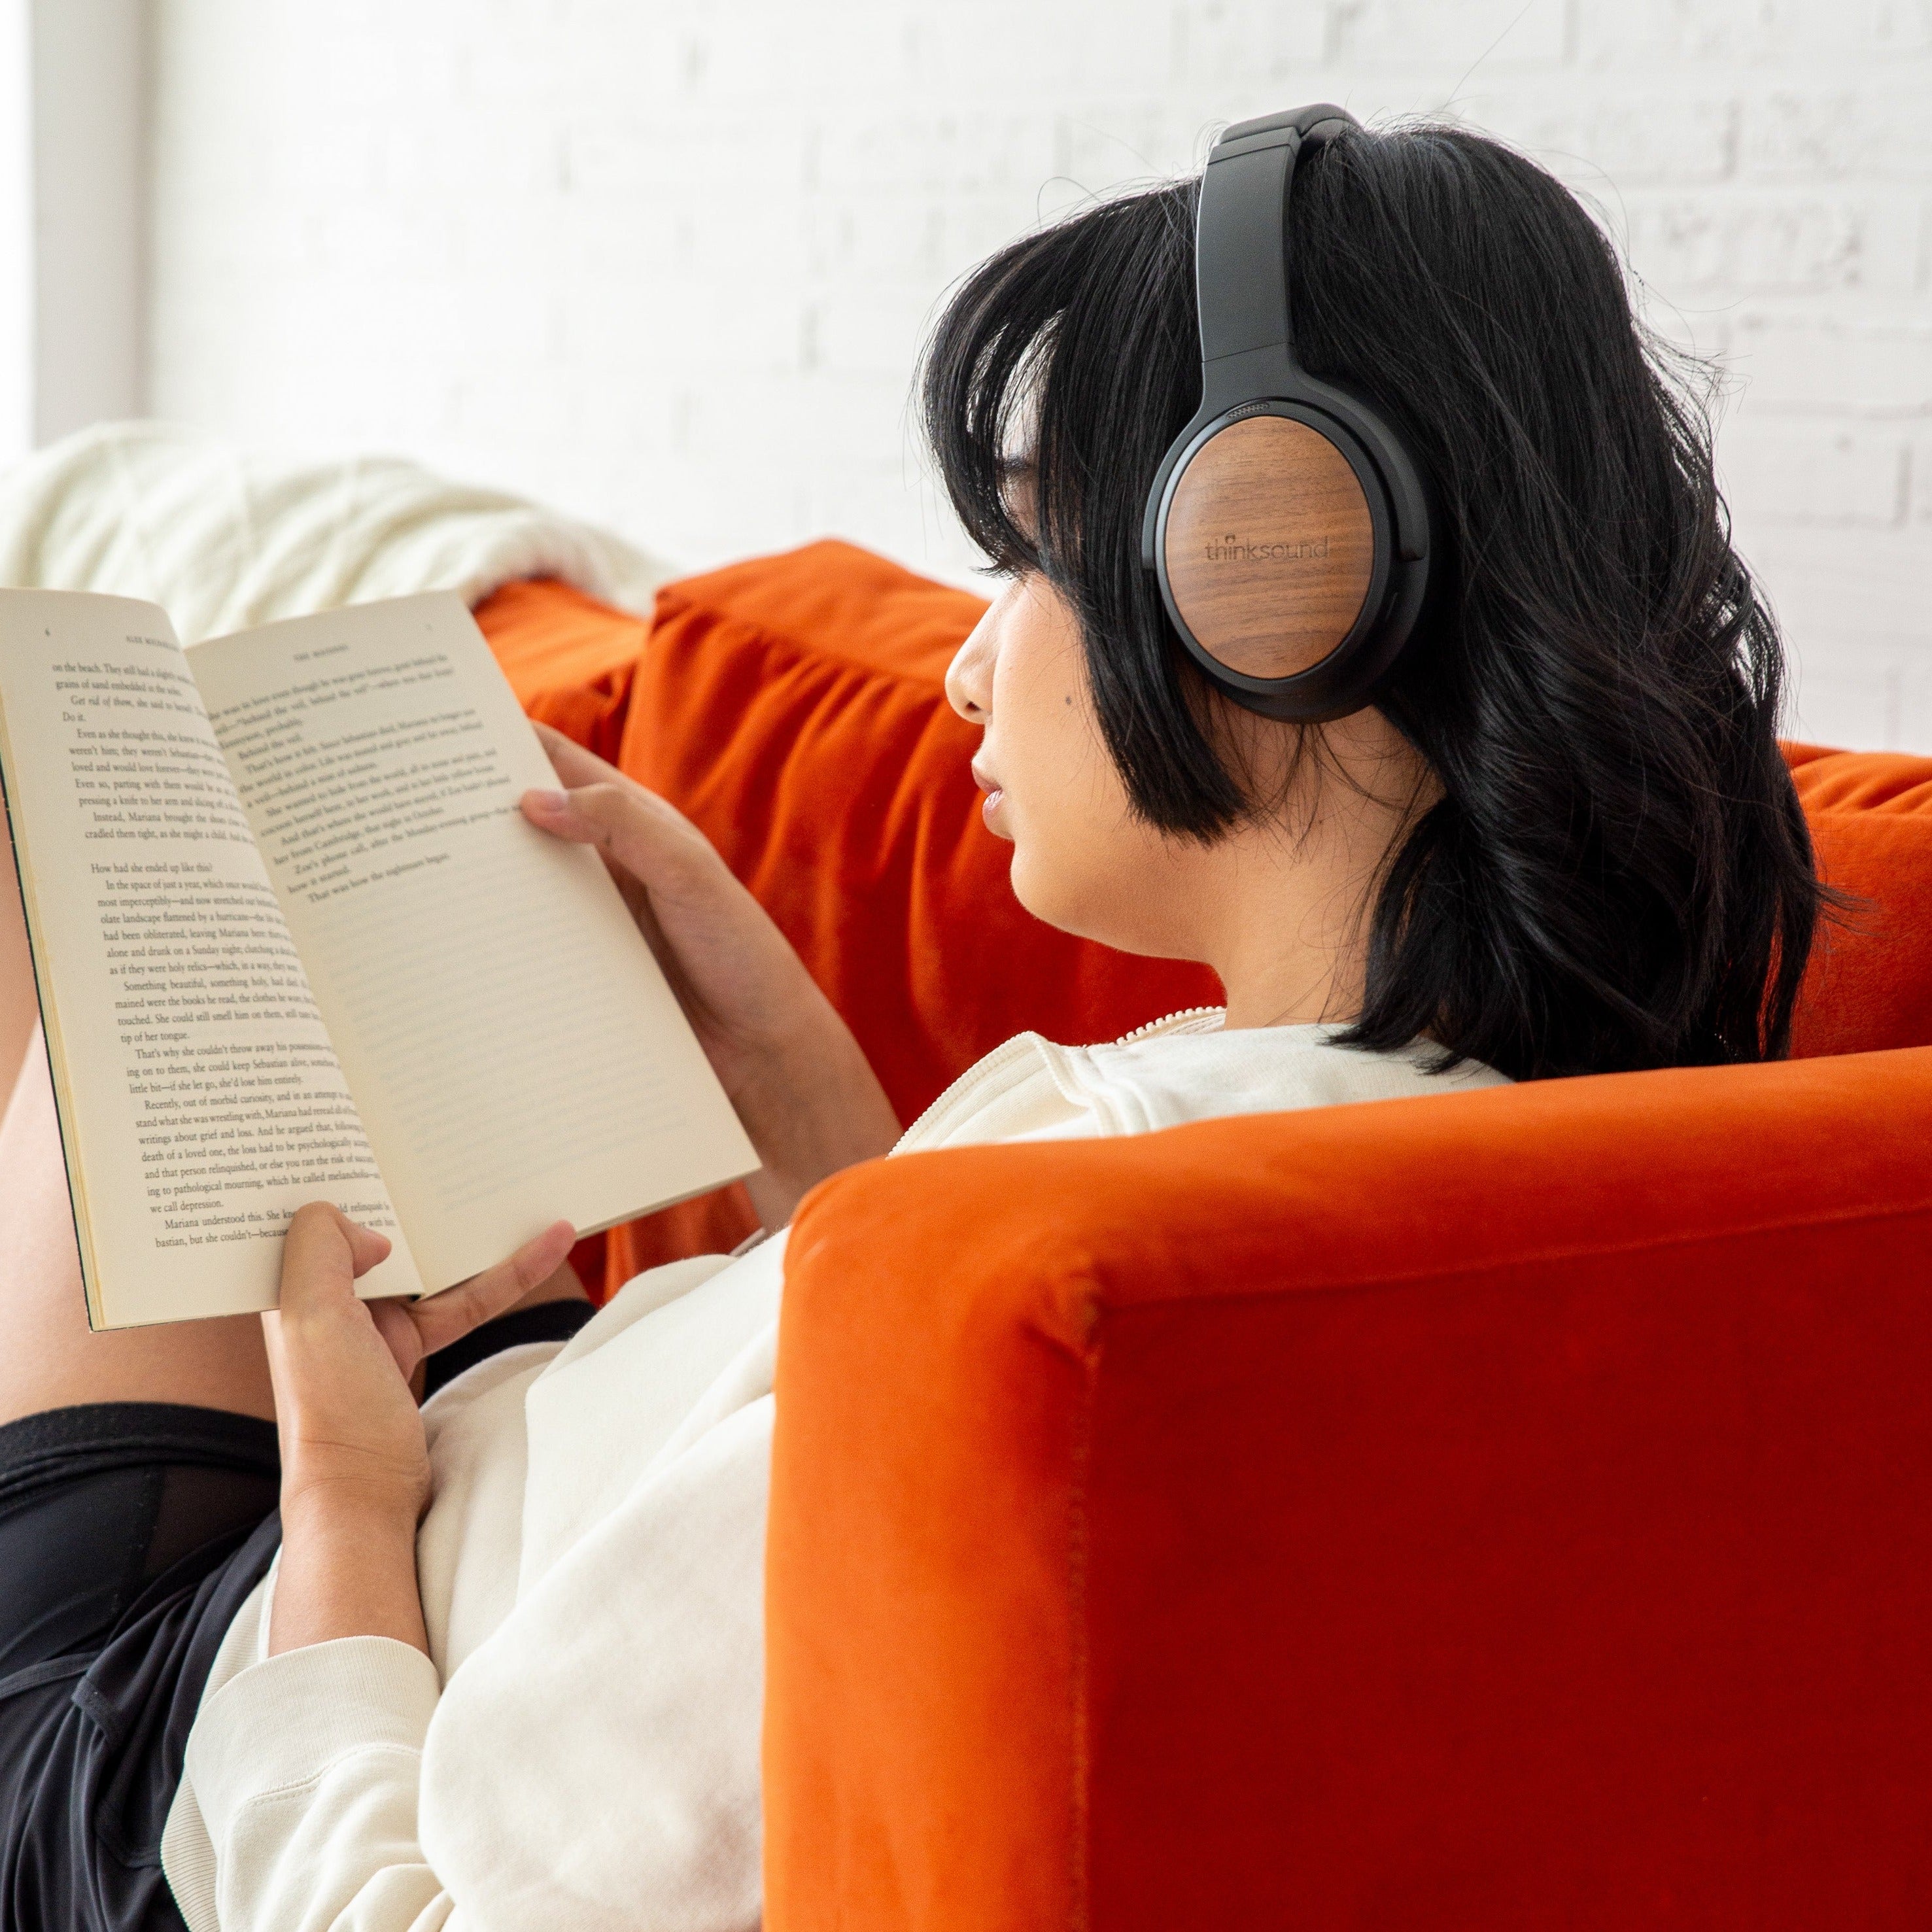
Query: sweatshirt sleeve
(306, 1768)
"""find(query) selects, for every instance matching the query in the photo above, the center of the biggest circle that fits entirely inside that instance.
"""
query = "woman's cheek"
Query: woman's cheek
(1061, 869)
(1027, 815)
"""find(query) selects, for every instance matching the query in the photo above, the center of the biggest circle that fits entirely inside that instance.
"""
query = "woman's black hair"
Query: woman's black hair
(1617, 874)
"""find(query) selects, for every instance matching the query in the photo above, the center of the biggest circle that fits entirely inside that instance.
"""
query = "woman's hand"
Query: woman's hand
(355, 1459)
(802, 1086)
(341, 1367)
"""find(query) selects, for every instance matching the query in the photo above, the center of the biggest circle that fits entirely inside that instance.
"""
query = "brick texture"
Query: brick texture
(669, 266)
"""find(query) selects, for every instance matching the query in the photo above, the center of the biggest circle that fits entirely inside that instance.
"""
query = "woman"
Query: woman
(508, 1671)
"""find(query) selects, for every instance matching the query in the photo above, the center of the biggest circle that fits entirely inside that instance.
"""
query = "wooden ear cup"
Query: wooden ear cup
(1269, 546)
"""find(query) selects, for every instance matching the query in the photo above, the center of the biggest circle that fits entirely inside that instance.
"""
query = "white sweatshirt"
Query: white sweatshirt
(580, 1750)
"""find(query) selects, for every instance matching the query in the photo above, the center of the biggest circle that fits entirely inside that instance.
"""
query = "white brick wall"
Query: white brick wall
(667, 264)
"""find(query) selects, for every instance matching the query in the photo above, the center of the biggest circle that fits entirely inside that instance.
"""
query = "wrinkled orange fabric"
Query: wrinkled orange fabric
(1869, 984)
(569, 659)
(794, 706)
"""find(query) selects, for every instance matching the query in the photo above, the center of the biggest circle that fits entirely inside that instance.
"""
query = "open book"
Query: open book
(294, 941)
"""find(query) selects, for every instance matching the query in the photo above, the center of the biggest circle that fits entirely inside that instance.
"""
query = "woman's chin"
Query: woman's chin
(1033, 891)
(1070, 905)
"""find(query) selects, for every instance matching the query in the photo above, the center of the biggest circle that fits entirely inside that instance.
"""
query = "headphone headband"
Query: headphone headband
(1241, 265)
(1240, 234)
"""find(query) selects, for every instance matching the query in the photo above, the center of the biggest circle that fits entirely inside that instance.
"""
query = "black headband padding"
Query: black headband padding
(1240, 274)
(1240, 262)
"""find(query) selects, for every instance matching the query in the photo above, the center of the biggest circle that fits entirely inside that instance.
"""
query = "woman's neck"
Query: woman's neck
(1287, 903)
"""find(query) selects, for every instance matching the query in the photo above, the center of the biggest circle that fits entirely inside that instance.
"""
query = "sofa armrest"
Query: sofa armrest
(1500, 1509)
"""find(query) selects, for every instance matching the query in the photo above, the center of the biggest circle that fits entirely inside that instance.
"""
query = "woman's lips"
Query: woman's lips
(995, 792)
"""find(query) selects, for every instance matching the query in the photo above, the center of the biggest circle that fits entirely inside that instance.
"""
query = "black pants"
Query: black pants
(130, 1533)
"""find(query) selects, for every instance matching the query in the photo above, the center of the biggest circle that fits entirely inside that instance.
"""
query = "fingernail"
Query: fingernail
(547, 801)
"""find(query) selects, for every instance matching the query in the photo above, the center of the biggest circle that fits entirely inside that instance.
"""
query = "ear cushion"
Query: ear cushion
(1269, 546)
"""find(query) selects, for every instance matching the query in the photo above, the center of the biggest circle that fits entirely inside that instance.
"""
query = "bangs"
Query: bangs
(1058, 374)
(1057, 367)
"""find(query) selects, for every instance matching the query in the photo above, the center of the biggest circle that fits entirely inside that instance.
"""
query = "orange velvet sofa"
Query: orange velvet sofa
(1511, 1509)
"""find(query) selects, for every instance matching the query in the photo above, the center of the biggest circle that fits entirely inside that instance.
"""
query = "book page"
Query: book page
(510, 1041)
(200, 1101)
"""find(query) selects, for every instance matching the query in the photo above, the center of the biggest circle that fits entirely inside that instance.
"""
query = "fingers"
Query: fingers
(644, 840)
(366, 1245)
(572, 762)
(577, 768)
(440, 1319)
(651, 840)
(323, 1254)
(556, 813)
(395, 1322)
(582, 771)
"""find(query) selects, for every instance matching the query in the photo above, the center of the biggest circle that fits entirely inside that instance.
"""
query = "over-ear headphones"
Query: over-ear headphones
(1288, 526)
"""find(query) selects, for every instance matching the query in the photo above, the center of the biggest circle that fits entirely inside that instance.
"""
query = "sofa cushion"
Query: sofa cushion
(1870, 984)
(794, 706)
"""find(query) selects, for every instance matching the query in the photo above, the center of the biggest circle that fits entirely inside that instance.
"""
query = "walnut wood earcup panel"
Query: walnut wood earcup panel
(1269, 546)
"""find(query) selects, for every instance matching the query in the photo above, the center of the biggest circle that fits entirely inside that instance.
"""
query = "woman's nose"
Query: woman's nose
(969, 677)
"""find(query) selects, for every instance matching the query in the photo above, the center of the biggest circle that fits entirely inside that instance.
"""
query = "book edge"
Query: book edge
(55, 1042)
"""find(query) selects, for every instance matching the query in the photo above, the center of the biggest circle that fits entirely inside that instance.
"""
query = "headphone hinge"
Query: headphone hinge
(1246, 375)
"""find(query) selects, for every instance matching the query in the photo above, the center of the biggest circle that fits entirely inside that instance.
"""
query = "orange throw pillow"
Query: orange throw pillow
(1870, 983)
